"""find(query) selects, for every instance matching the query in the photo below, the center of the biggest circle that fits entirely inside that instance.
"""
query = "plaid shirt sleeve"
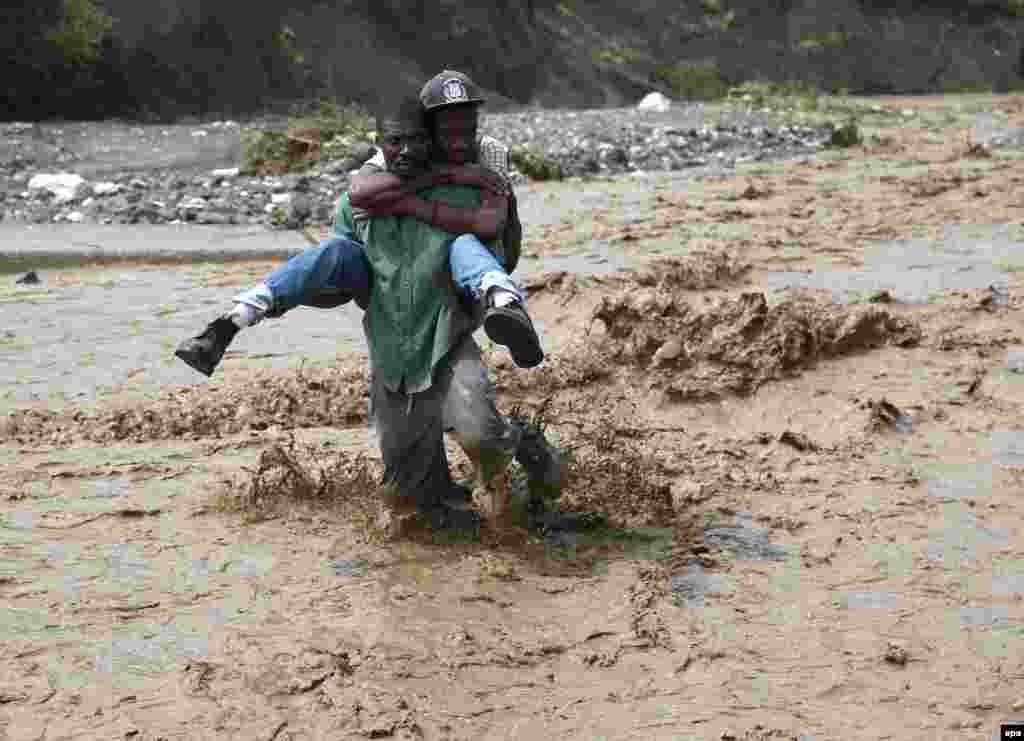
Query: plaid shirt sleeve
(377, 160)
(494, 156)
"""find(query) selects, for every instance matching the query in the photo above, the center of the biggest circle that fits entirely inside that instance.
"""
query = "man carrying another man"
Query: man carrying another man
(426, 371)
(334, 272)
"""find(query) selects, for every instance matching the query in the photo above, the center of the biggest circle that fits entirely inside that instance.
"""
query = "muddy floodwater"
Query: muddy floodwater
(793, 396)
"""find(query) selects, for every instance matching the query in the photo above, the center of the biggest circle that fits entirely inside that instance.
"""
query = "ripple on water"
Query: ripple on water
(690, 589)
(984, 616)
(959, 481)
(109, 488)
(355, 568)
(744, 540)
(1008, 448)
(913, 271)
(962, 538)
(148, 650)
(867, 600)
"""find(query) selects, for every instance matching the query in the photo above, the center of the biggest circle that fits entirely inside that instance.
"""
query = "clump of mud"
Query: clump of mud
(697, 272)
(582, 366)
(737, 345)
(616, 478)
(305, 398)
(701, 270)
(289, 475)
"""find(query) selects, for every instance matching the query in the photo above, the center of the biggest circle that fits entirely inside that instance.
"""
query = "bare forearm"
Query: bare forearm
(365, 190)
(486, 223)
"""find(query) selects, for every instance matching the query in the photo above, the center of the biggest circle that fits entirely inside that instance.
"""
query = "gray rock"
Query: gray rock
(300, 208)
(215, 217)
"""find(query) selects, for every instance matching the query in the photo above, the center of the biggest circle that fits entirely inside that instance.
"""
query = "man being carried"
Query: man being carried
(452, 102)
(336, 271)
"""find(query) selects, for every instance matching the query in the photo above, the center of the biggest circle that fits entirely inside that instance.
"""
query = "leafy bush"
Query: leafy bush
(701, 80)
(711, 7)
(285, 41)
(329, 131)
(81, 28)
(340, 127)
(536, 164)
(616, 55)
(762, 91)
(847, 135)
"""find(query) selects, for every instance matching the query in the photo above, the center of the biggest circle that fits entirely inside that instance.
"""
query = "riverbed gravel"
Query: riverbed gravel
(123, 173)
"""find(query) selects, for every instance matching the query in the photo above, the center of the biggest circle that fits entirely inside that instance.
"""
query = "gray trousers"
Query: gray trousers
(411, 427)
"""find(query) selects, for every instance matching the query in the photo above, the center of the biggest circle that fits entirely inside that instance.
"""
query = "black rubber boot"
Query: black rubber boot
(443, 516)
(539, 458)
(204, 351)
(510, 326)
(458, 495)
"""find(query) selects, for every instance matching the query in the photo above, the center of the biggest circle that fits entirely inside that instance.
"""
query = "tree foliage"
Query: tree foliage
(78, 34)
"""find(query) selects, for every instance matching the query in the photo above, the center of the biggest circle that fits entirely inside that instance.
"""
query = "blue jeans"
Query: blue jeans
(331, 274)
(476, 270)
(337, 271)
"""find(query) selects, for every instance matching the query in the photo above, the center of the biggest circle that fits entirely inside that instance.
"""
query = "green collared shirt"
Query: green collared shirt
(414, 317)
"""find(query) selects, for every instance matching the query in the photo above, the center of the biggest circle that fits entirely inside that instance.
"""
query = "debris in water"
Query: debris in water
(996, 296)
(896, 654)
(886, 414)
(798, 440)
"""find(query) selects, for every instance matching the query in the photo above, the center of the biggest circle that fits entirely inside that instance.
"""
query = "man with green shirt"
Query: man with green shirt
(426, 371)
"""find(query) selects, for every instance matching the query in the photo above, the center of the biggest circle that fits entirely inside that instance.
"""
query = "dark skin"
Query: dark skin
(393, 194)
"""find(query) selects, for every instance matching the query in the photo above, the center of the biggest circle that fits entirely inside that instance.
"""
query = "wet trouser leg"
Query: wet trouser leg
(410, 430)
(476, 270)
(328, 275)
(471, 415)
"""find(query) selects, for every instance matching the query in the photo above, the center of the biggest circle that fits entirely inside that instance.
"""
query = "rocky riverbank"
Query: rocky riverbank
(188, 173)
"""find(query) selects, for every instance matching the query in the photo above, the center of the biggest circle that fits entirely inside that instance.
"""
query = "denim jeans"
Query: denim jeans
(476, 270)
(337, 271)
(331, 274)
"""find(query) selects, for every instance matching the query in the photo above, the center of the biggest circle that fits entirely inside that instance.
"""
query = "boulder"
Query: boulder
(654, 102)
(65, 186)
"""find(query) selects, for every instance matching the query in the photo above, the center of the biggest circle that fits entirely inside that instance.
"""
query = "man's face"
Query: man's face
(406, 147)
(455, 134)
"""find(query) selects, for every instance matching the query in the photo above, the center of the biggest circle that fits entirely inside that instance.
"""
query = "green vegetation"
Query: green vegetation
(847, 135)
(77, 36)
(616, 55)
(1015, 8)
(762, 92)
(286, 43)
(536, 164)
(263, 151)
(827, 40)
(723, 20)
(701, 80)
(327, 132)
